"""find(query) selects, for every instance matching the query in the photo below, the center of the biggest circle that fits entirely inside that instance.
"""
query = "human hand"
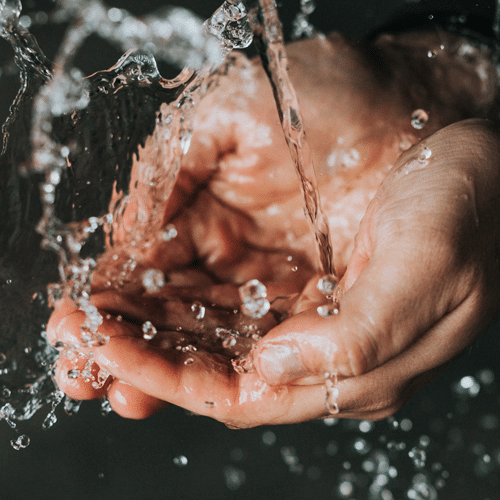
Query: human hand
(246, 399)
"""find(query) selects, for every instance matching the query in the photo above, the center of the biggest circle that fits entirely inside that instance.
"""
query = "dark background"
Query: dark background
(90, 456)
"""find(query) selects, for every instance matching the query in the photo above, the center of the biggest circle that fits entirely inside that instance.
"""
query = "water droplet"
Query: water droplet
(431, 54)
(229, 23)
(72, 374)
(198, 309)
(328, 310)
(8, 413)
(332, 394)
(425, 154)
(169, 233)
(268, 438)
(105, 406)
(467, 386)
(362, 446)
(153, 280)
(419, 118)
(243, 364)
(256, 309)
(148, 330)
(21, 442)
(366, 426)
(181, 461)
(189, 361)
(421, 489)
(252, 289)
(71, 406)
(6, 393)
(234, 477)
(326, 284)
(229, 342)
(255, 304)
(418, 457)
(49, 421)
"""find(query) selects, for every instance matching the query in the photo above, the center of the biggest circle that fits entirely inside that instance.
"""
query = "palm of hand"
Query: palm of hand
(238, 212)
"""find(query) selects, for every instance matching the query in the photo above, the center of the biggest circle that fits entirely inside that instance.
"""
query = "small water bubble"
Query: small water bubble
(326, 284)
(230, 24)
(431, 54)
(229, 342)
(153, 280)
(25, 21)
(346, 489)
(243, 364)
(332, 394)
(71, 406)
(467, 386)
(406, 424)
(148, 330)
(198, 309)
(328, 310)
(421, 489)
(330, 421)
(105, 406)
(234, 477)
(362, 446)
(115, 15)
(72, 374)
(8, 413)
(290, 457)
(419, 118)
(268, 438)
(6, 393)
(180, 461)
(425, 154)
(169, 233)
(49, 421)
(252, 289)
(21, 442)
(189, 361)
(307, 6)
(486, 376)
(418, 457)
(366, 426)
(254, 297)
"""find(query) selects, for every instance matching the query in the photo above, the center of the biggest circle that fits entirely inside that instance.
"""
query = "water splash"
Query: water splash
(81, 213)
(301, 26)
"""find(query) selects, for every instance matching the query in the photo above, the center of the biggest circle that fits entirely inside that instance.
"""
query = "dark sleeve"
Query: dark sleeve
(478, 21)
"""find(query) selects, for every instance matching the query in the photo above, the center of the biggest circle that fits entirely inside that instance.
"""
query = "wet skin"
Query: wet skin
(415, 239)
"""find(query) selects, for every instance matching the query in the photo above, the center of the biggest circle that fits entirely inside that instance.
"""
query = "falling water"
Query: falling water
(273, 56)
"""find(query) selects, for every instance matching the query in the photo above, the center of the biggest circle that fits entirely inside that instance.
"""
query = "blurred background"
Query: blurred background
(446, 437)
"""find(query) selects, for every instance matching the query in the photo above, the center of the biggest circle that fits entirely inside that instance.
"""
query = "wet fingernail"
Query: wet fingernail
(279, 364)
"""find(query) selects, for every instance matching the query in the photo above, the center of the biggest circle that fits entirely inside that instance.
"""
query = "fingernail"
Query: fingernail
(279, 364)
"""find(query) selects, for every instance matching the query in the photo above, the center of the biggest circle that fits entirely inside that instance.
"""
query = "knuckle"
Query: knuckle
(362, 352)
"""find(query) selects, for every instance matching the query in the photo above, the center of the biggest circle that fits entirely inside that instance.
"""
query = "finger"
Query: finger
(68, 330)
(70, 380)
(62, 308)
(130, 402)
(206, 387)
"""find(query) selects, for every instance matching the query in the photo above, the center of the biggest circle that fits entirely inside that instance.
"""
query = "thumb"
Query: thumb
(377, 319)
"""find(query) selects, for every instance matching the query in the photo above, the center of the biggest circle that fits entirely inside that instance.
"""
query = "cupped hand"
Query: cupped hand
(416, 290)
